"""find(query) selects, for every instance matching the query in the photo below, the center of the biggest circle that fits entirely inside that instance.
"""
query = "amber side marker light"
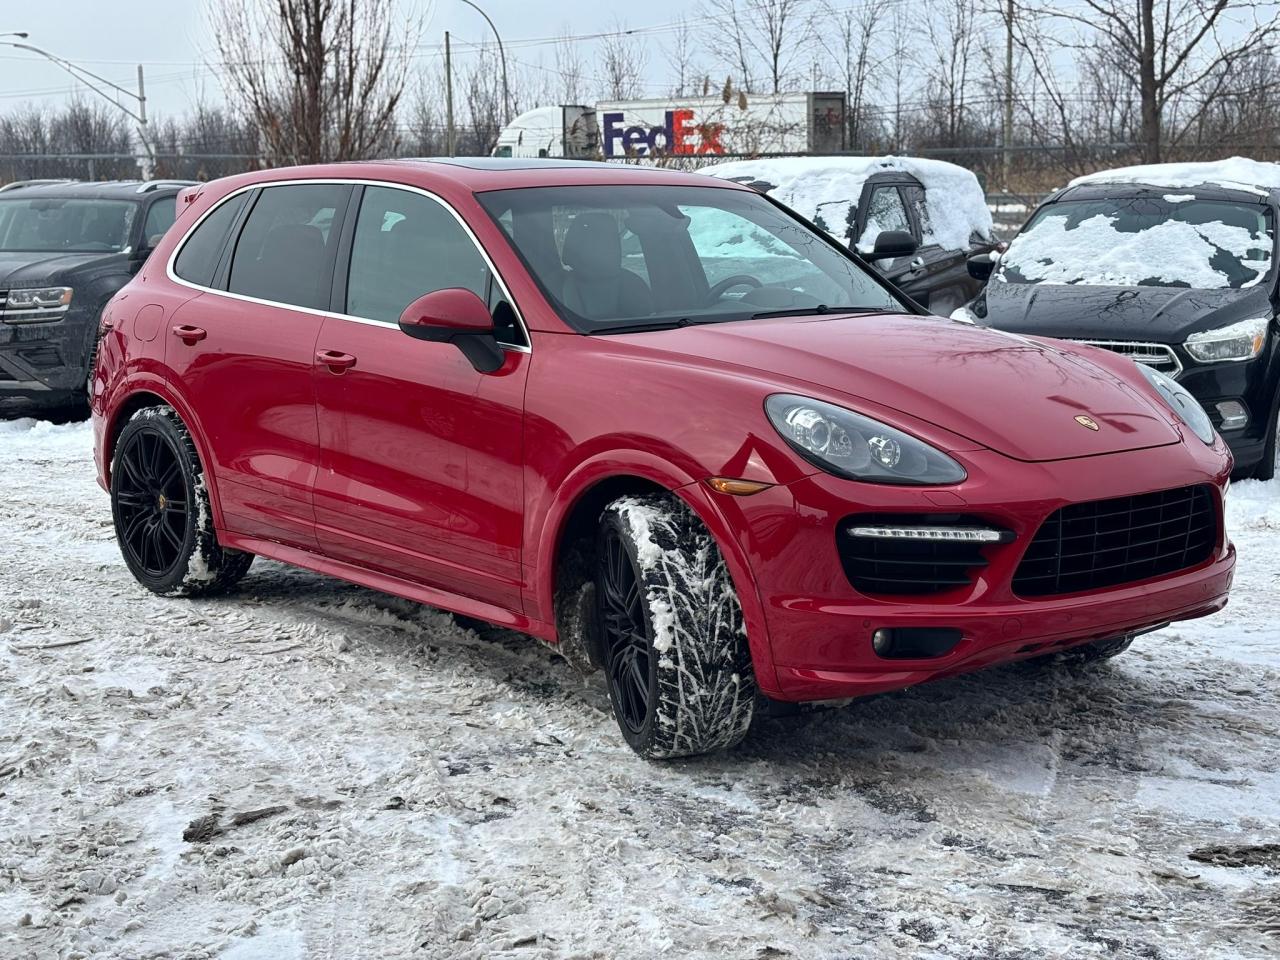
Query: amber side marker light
(736, 488)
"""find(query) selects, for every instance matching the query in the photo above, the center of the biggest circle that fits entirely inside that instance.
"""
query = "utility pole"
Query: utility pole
(144, 134)
(502, 56)
(450, 143)
(1008, 96)
(106, 89)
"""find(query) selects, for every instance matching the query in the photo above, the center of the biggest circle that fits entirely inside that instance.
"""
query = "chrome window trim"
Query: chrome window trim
(342, 181)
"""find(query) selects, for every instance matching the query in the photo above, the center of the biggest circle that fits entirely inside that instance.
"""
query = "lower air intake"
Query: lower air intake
(1107, 543)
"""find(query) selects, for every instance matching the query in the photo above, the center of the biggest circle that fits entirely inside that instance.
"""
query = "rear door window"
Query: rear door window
(197, 262)
(285, 251)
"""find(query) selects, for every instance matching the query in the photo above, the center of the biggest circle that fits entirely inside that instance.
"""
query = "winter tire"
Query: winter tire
(671, 631)
(160, 506)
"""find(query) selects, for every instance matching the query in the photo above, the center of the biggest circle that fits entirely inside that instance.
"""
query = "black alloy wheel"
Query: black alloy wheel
(627, 649)
(154, 510)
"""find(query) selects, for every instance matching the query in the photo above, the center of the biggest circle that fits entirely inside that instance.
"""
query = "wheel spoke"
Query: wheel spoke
(170, 535)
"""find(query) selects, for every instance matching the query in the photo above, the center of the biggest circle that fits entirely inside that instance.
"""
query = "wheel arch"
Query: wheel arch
(569, 538)
(143, 392)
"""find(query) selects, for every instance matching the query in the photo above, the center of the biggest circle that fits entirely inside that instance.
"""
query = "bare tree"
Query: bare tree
(901, 60)
(321, 78)
(623, 59)
(681, 54)
(761, 40)
(1169, 49)
(848, 42)
(953, 35)
(570, 69)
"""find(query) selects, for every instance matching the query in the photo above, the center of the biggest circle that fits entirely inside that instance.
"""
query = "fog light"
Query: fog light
(1234, 415)
(882, 642)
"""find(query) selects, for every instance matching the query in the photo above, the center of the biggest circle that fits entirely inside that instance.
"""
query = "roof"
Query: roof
(1234, 175)
(90, 189)
(461, 175)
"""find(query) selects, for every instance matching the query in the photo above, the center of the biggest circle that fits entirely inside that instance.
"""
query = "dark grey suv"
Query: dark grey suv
(65, 249)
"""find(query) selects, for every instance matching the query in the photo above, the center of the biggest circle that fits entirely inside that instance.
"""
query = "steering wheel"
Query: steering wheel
(741, 279)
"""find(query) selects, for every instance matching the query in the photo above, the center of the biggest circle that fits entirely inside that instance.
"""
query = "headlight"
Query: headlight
(1240, 341)
(1181, 402)
(851, 445)
(35, 304)
(963, 315)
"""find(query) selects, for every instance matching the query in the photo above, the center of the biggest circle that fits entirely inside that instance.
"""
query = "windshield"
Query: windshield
(52, 225)
(1172, 241)
(624, 257)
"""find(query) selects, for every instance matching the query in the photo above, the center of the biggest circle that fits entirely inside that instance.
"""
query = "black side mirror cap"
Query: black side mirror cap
(891, 244)
(982, 265)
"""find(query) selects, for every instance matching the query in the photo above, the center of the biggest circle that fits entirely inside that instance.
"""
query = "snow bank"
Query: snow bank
(827, 189)
(1094, 253)
(1236, 173)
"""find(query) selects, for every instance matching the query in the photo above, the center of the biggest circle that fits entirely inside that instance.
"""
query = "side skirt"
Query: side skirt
(395, 586)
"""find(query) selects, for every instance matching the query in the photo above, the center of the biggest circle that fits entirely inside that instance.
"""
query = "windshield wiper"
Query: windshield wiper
(820, 309)
(663, 324)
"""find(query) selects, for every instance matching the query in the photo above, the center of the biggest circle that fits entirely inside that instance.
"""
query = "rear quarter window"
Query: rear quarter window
(197, 261)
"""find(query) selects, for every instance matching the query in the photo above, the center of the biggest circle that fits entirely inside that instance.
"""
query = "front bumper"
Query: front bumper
(46, 362)
(819, 627)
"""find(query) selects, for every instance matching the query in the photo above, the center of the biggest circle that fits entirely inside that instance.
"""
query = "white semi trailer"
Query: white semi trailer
(680, 126)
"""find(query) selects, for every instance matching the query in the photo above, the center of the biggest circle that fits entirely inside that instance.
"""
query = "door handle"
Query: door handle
(188, 334)
(335, 361)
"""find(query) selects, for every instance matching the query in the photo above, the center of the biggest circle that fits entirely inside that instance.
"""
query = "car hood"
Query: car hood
(1156, 314)
(27, 268)
(1017, 396)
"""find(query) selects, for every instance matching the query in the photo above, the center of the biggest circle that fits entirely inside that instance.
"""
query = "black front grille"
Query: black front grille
(1106, 543)
(908, 567)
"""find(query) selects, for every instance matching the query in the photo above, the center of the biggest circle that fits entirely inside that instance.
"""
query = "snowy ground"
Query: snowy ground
(447, 795)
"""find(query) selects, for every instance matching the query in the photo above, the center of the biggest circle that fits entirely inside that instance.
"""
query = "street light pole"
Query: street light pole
(502, 55)
(97, 85)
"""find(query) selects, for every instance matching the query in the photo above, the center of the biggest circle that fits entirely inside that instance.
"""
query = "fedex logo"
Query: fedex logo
(677, 135)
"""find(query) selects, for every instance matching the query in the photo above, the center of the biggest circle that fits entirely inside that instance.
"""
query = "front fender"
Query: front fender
(544, 542)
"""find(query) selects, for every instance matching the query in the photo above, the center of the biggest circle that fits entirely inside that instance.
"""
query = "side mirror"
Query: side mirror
(891, 244)
(455, 315)
(982, 265)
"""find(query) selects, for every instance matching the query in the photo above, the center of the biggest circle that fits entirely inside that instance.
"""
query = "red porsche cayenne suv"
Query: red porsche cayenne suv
(655, 419)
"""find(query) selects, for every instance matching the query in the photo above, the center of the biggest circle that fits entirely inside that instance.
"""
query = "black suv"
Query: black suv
(65, 249)
(1181, 278)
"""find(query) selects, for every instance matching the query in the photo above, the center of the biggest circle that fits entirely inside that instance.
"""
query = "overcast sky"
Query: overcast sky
(172, 41)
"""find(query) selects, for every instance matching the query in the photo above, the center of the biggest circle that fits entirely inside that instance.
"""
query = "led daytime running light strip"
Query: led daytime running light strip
(965, 534)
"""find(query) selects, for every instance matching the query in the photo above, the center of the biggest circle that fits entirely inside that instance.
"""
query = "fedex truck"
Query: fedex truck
(682, 127)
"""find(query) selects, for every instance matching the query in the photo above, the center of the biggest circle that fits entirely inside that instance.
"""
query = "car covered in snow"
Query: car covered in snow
(917, 221)
(648, 416)
(1173, 265)
(66, 247)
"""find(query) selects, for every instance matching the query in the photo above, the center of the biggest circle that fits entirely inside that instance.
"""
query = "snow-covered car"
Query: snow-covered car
(1171, 264)
(868, 202)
